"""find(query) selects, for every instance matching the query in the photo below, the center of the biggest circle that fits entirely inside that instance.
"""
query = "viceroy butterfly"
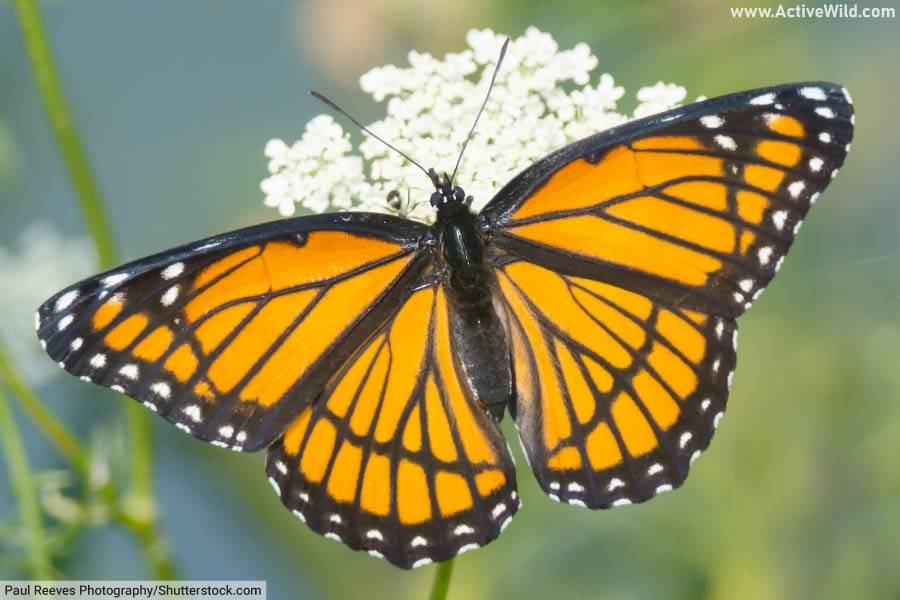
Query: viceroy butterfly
(594, 298)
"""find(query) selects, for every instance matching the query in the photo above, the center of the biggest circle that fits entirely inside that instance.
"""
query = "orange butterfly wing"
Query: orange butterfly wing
(230, 337)
(696, 207)
(622, 262)
(396, 457)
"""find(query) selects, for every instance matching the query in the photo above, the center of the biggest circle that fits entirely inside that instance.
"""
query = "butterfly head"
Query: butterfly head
(447, 198)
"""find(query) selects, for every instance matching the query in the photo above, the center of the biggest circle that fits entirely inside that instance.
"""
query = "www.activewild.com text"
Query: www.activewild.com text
(825, 11)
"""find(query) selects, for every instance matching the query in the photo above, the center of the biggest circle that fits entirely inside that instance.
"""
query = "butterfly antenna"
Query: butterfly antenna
(326, 101)
(481, 110)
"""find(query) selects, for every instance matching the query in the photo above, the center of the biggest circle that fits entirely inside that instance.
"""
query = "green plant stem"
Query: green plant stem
(25, 492)
(441, 580)
(55, 431)
(48, 83)
(140, 501)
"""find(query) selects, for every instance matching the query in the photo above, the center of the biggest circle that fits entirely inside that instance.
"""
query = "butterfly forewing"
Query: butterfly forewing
(697, 206)
(221, 337)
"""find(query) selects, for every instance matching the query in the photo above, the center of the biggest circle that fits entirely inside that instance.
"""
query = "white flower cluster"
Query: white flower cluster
(44, 263)
(542, 100)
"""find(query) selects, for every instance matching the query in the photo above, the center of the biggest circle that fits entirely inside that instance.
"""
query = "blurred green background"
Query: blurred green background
(799, 495)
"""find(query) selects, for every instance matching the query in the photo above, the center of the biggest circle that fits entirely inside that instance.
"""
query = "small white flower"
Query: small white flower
(43, 263)
(543, 99)
(658, 98)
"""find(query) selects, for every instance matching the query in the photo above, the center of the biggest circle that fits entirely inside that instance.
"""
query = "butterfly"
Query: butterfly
(594, 299)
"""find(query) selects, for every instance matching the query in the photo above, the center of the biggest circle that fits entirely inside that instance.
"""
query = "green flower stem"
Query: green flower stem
(55, 431)
(154, 546)
(441, 580)
(24, 490)
(63, 126)
(140, 503)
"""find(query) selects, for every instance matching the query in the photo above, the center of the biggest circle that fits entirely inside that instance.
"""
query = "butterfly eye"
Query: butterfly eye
(458, 194)
(435, 199)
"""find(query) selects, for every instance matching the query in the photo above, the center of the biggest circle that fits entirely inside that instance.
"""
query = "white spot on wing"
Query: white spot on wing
(847, 95)
(418, 541)
(169, 296)
(796, 188)
(712, 121)
(422, 562)
(763, 99)
(815, 164)
(813, 93)
(465, 548)
(65, 301)
(65, 322)
(726, 142)
(130, 371)
(463, 530)
(111, 280)
(654, 469)
(825, 111)
(193, 411)
(764, 254)
(162, 389)
(779, 217)
(172, 271)
(98, 361)
(76, 343)
(825, 137)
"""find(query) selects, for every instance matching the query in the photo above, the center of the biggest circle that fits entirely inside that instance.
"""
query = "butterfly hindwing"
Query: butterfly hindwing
(396, 457)
(617, 393)
(697, 206)
(223, 336)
